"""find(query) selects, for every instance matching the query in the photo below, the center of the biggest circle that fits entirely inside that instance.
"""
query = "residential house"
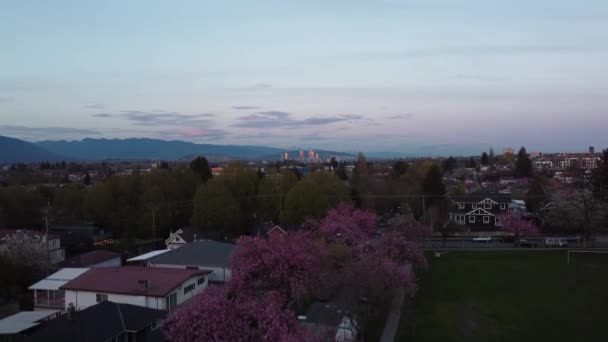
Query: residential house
(480, 211)
(324, 318)
(152, 287)
(143, 258)
(103, 322)
(48, 293)
(202, 254)
(96, 258)
(19, 325)
(16, 238)
(182, 237)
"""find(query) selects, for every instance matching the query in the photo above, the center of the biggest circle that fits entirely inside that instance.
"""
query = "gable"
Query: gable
(488, 201)
(479, 211)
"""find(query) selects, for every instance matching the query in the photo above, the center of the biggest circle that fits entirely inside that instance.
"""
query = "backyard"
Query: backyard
(509, 296)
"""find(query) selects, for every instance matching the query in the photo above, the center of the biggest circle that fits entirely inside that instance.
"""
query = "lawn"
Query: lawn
(509, 296)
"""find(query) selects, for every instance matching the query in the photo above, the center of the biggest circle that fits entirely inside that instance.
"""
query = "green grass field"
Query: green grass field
(509, 296)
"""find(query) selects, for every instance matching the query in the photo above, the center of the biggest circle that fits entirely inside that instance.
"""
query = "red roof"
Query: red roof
(91, 258)
(126, 280)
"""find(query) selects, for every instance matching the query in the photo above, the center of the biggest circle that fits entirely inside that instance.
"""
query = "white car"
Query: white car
(556, 242)
(485, 239)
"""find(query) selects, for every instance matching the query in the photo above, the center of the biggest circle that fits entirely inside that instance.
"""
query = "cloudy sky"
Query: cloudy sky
(392, 75)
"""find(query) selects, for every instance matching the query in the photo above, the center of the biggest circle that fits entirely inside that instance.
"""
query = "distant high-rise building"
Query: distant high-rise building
(591, 149)
(301, 154)
(286, 156)
(311, 154)
(317, 157)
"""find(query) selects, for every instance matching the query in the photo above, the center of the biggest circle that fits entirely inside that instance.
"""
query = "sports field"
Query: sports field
(509, 296)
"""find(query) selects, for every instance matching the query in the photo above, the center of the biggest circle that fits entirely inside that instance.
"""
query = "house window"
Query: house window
(101, 297)
(486, 219)
(171, 301)
(503, 206)
(474, 205)
(497, 221)
(189, 288)
(461, 205)
(200, 281)
(471, 219)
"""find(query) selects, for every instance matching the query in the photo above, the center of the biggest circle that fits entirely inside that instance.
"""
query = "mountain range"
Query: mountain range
(14, 150)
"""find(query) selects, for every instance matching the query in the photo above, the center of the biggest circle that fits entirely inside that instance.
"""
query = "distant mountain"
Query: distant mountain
(18, 151)
(100, 149)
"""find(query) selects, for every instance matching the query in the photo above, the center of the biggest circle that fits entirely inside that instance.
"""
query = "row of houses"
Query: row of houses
(146, 288)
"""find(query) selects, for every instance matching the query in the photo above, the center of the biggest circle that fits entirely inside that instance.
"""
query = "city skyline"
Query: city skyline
(396, 76)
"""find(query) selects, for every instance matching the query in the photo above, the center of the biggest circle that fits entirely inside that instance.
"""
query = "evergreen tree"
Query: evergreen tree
(485, 160)
(491, 156)
(523, 164)
(449, 164)
(433, 186)
(536, 197)
(87, 179)
(333, 163)
(399, 168)
(471, 163)
(600, 177)
(341, 172)
(200, 166)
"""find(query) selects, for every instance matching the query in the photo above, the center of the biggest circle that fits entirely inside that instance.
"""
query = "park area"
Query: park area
(509, 296)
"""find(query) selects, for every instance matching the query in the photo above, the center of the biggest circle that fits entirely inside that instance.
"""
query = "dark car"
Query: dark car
(526, 243)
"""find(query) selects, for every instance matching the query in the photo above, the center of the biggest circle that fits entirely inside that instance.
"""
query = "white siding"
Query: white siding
(218, 274)
(115, 262)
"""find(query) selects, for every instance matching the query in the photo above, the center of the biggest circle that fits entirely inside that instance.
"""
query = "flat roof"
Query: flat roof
(148, 255)
(58, 279)
(23, 320)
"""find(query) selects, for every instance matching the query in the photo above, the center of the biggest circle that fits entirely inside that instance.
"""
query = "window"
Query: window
(471, 219)
(101, 297)
(486, 219)
(474, 205)
(200, 281)
(461, 205)
(189, 288)
(503, 206)
(171, 301)
(497, 221)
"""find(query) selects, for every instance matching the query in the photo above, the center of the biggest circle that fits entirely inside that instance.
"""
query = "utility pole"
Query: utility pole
(46, 228)
(423, 210)
(153, 223)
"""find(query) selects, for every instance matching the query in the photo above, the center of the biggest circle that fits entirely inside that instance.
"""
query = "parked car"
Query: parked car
(556, 242)
(485, 239)
(526, 243)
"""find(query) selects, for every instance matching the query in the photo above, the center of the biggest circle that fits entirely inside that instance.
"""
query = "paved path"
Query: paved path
(392, 321)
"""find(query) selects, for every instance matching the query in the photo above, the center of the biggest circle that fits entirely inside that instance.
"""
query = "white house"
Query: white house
(48, 293)
(183, 236)
(151, 287)
(202, 254)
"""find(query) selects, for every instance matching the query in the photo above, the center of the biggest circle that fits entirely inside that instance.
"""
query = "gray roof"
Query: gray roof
(197, 253)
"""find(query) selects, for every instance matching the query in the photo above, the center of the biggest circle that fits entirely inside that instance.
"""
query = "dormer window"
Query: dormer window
(503, 206)
(474, 205)
(461, 205)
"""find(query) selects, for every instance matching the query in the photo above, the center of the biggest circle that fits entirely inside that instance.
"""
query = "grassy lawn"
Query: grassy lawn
(509, 296)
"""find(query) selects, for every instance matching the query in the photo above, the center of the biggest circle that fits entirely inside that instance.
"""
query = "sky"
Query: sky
(408, 76)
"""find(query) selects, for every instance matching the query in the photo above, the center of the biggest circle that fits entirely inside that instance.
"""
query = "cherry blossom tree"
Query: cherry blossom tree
(293, 265)
(346, 224)
(216, 315)
(516, 225)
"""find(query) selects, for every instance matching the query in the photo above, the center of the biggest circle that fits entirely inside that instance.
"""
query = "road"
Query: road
(467, 243)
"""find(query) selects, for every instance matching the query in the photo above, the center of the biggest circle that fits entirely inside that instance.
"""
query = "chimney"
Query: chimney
(143, 285)
(71, 312)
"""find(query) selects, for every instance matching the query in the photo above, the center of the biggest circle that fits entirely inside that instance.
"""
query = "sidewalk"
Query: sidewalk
(394, 316)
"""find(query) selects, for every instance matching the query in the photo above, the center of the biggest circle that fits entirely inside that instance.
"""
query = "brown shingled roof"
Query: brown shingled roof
(91, 258)
(125, 280)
